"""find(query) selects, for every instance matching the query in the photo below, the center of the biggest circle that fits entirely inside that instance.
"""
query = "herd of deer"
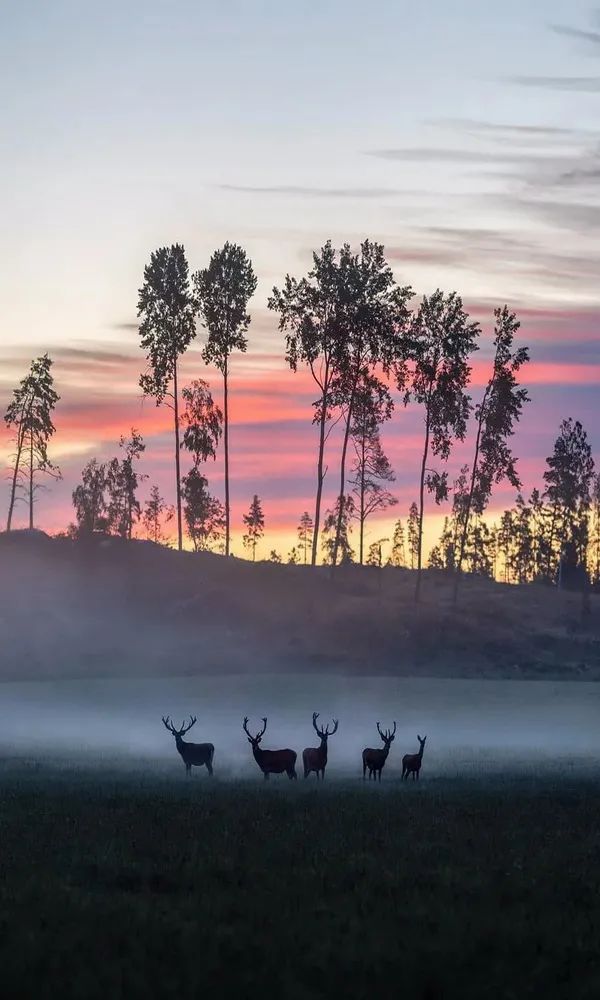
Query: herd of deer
(280, 761)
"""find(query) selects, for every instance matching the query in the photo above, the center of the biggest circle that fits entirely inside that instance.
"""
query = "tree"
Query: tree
(521, 556)
(305, 535)
(371, 467)
(203, 513)
(312, 317)
(330, 531)
(156, 512)
(202, 420)
(375, 555)
(495, 416)
(443, 339)
(293, 559)
(255, 526)
(274, 556)
(568, 479)
(413, 534)
(224, 289)
(398, 553)
(29, 414)
(89, 499)
(168, 310)
(122, 482)
(376, 320)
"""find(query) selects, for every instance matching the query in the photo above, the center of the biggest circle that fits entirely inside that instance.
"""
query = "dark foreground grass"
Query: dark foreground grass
(125, 886)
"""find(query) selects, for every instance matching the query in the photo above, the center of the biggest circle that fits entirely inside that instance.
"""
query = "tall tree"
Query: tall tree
(398, 553)
(413, 534)
(255, 525)
(495, 417)
(89, 499)
(122, 482)
(305, 535)
(156, 513)
(594, 544)
(168, 309)
(312, 317)
(202, 420)
(204, 514)
(371, 468)
(377, 322)
(568, 479)
(29, 414)
(330, 532)
(224, 289)
(443, 339)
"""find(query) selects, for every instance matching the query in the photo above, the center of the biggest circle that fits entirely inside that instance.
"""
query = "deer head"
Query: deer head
(254, 740)
(387, 735)
(178, 733)
(421, 741)
(324, 733)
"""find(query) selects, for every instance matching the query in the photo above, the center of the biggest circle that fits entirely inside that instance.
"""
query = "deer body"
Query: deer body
(271, 761)
(374, 759)
(411, 762)
(315, 758)
(192, 754)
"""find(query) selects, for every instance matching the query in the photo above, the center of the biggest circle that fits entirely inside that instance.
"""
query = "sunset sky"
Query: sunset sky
(463, 136)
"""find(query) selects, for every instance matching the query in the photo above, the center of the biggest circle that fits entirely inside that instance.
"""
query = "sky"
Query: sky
(464, 137)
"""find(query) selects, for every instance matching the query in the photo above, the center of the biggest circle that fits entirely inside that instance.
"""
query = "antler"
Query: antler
(380, 733)
(245, 726)
(185, 728)
(264, 728)
(167, 722)
(258, 735)
(334, 730)
(317, 730)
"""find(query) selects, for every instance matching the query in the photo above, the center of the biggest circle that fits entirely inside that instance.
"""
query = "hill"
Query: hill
(108, 607)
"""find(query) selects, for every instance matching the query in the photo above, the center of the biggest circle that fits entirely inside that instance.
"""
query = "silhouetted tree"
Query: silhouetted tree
(495, 416)
(255, 526)
(156, 513)
(168, 310)
(568, 479)
(594, 533)
(521, 555)
(202, 420)
(29, 414)
(443, 340)
(375, 554)
(204, 514)
(398, 553)
(89, 499)
(293, 559)
(311, 314)
(274, 556)
(376, 320)
(413, 534)
(371, 468)
(330, 526)
(122, 482)
(305, 535)
(224, 289)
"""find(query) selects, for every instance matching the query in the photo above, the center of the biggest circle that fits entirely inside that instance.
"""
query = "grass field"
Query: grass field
(119, 878)
(121, 883)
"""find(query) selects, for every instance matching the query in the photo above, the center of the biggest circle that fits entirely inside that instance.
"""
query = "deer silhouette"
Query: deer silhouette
(192, 754)
(411, 762)
(315, 758)
(374, 760)
(271, 761)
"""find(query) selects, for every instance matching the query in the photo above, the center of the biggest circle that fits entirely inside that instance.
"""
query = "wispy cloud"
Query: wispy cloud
(583, 84)
(305, 191)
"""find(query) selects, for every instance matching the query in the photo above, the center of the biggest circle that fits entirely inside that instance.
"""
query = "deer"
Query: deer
(271, 761)
(315, 758)
(374, 760)
(411, 762)
(192, 754)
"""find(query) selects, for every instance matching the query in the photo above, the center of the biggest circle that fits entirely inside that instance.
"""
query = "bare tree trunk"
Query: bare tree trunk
(320, 478)
(338, 527)
(31, 480)
(15, 476)
(467, 513)
(177, 462)
(362, 500)
(226, 453)
(421, 507)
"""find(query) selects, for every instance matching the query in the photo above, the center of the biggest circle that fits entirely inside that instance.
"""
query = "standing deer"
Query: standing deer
(192, 754)
(375, 759)
(271, 761)
(315, 758)
(411, 762)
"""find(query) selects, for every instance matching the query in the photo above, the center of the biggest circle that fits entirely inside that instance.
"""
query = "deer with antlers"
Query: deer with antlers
(411, 762)
(192, 754)
(271, 761)
(315, 758)
(374, 760)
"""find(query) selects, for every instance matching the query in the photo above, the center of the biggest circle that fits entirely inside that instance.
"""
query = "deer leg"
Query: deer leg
(266, 775)
(209, 767)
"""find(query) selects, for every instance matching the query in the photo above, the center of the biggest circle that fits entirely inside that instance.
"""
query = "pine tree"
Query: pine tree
(89, 499)
(203, 513)
(157, 512)
(255, 526)
(122, 482)
(330, 532)
(398, 553)
(305, 535)
(413, 534)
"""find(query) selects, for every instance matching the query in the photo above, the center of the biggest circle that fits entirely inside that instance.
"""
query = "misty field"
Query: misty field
(119, 877)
